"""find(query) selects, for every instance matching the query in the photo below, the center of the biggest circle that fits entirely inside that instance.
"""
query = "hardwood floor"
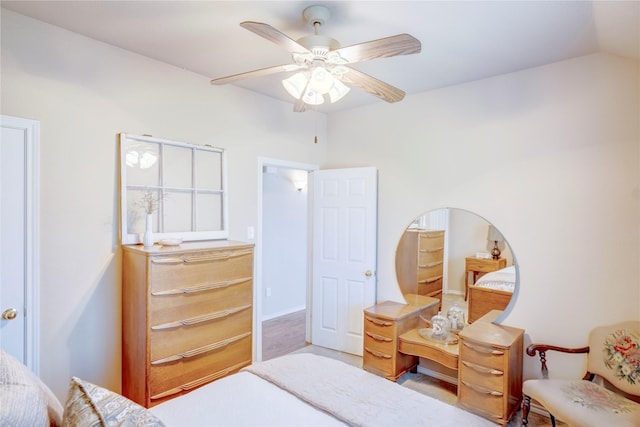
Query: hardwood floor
(286, 334)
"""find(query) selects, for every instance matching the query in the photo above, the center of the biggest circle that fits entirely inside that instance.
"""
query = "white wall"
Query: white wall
(549, 155)
(565, 138)
(284, 242)
(83, 93)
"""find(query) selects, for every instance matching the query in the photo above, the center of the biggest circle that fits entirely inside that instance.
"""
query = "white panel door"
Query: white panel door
(344, 255)
(18, 228)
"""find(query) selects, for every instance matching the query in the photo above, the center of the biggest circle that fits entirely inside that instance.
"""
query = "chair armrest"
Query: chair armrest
(542, 350)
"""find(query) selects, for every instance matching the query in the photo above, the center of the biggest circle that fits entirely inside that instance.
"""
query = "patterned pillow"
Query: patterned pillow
(24, 399)
(90, 405)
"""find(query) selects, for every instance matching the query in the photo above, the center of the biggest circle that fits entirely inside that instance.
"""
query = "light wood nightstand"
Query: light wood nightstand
(480, 265)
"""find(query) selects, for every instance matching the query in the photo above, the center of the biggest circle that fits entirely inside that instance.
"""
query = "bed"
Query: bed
(301, 389)
(492, 291)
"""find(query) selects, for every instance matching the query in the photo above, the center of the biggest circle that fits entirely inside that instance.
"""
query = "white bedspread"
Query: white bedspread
(257, 397)
(502, 280)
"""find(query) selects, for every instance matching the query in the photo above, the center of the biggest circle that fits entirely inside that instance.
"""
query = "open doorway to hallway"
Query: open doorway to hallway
(282, 273)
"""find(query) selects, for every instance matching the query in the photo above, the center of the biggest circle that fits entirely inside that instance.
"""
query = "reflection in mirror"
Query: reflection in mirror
(459, 258)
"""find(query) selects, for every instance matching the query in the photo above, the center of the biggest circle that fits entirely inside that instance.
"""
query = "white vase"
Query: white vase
(147, 239)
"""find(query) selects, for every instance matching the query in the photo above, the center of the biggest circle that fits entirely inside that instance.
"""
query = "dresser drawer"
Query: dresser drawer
(429, 272)
(489, 378)
(430, 287)
(478, 354)
(431, 240)
(175, 376)
(168, 339)
(199, 269)
(174, 304)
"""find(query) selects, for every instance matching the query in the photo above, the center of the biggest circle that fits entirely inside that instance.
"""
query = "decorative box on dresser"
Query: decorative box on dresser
(186, 316)
(490, 369)
(383, 325)
(419, 262)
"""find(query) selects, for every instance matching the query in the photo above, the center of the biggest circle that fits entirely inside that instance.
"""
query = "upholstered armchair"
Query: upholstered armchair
(609, 392)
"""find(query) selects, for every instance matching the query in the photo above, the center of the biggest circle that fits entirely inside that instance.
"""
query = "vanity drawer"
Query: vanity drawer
(478, 374)
(482, 355)
(429, 272)
(379, 343)
(379, 326)
(430, 287)
(481, 399)
(378, 362)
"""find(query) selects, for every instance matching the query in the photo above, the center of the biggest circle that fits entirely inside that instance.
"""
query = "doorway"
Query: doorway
(282, 273)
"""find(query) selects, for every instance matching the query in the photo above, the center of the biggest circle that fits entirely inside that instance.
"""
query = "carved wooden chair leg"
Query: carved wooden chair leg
(526, 405)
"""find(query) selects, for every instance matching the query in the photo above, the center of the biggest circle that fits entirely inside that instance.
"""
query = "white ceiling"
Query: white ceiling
(461, 41)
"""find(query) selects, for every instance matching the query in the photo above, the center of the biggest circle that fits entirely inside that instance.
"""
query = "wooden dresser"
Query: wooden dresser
(419, 262)
(187, 316)
(490, 369)
(383, 325)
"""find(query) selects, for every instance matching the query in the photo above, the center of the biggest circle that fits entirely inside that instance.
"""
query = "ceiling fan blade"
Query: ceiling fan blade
(256, 73)
(372, 85)
(299, 106)
(402, 44)
(275, 36)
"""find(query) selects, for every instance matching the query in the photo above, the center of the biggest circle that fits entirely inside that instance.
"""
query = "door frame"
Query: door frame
(31, 129)
(258, 250)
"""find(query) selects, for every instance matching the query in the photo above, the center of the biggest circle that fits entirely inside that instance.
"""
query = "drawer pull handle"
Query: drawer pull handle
(430, 279)
(196, 259)
(379, 337)
(484, 350)
(200, 319)
(379, 322)
(482, 390)
(430, 264)
(200, 381)
(377, 354)
(482, 369)
(201, 288)
(200, 350)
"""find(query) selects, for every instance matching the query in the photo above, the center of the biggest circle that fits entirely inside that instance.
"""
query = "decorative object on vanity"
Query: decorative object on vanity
(496, 239)
(613, 354)
(182, 185)
(186, 316)
(383, 324)
(490, 374)
(321, 65)
(455, 315)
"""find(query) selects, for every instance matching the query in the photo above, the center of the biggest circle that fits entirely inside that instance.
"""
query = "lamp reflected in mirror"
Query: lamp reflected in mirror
(449, 253)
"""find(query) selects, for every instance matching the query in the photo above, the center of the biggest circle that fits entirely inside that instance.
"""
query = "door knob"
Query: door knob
(9, 314)
(368, 273)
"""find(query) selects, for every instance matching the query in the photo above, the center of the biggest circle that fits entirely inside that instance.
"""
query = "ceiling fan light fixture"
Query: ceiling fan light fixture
(295, 84)
(312, 97)
(338, 90)
(321, 80)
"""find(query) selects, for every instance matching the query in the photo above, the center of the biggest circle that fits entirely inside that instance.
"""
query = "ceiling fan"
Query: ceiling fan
(322, 66)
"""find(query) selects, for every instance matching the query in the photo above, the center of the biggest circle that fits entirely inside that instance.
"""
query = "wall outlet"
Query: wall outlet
(267, 292)
(251, 232)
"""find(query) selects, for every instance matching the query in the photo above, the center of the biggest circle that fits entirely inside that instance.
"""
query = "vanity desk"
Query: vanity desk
(487, 356)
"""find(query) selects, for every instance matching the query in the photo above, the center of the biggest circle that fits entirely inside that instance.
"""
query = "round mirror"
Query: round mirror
(459, 258)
